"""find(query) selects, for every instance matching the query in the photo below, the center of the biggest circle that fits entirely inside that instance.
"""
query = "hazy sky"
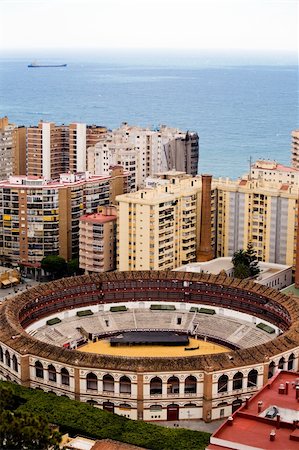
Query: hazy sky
(177, 24)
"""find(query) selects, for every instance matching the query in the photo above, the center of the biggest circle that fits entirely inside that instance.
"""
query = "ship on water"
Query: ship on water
(36, 65)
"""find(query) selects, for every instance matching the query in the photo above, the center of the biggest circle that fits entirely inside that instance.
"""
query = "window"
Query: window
(7, 358)
(125, 385)
(65, 377)
(252, 378)
(156, 386)
(222, 383)
(92, 381)
(281, 363)
(271, 370)
(190, 385)
(173, 385)
(15, 363)
(52, 373)
(108, 383)
(1, 354)
(238, 381)
(39, 370)
(291, 361)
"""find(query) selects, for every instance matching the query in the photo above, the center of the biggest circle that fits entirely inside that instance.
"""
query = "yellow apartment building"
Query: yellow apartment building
(12, 149)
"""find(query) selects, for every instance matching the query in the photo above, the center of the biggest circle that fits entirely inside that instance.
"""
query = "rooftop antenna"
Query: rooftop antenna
(250, 163)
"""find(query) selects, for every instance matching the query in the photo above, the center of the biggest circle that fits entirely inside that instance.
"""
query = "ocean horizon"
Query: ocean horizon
(241, 105)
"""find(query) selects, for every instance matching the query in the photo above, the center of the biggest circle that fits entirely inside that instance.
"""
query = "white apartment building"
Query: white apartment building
(146, 151)
(273, 172)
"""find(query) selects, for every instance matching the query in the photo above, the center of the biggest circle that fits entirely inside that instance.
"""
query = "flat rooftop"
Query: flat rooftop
(251, 427)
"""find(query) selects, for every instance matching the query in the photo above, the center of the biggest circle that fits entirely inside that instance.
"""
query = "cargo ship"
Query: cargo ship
(35, 65)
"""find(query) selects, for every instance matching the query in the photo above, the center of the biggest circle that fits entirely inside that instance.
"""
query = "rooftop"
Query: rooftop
(267, 421)
(97, 218)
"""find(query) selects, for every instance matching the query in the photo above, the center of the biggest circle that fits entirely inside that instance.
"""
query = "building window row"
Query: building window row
(8, 360)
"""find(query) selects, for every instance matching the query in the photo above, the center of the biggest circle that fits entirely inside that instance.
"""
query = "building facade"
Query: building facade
(97, 241)
(12, 149)
(40, 218)
(273, 172)
(295, 149)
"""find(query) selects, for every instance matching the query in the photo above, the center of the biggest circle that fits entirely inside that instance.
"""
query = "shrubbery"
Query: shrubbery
(80, 418)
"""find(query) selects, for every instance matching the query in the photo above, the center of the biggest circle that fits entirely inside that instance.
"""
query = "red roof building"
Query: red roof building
(268, 420)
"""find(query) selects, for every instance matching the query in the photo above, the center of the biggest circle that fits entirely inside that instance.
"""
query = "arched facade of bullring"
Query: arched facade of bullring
(201, 387)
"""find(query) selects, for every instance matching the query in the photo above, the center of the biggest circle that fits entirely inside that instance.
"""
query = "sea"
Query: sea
(243, 107)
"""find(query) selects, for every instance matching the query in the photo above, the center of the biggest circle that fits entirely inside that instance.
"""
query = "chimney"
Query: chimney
(230, 421)
(272, 435)
(297, 392)
(297, 252)
(205, 251)
(278, 421)
(246, 402)
(287, 388)
(259, 406)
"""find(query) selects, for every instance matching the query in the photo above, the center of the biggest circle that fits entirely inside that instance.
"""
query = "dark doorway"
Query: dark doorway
(236, 405)
(173, 412)
(108, 406)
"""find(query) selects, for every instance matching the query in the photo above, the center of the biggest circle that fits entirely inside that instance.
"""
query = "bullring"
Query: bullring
(150, 388)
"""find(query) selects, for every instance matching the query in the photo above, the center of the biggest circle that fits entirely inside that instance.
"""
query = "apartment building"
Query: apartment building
(12, 149)
(158, 228)
(40, 217)
(145, 151)
(295, 149)
(273, 172)
(54, 149)
(97, 241)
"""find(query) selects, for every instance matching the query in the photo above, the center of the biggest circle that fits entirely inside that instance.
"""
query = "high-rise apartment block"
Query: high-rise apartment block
(158, 228)
(54, 149)
(12, 149)
(144, 151)
(295, 149)
(40, 217)
(161, 226)
(98, 241)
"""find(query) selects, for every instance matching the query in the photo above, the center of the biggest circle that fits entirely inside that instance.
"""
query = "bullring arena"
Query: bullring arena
(150, 345)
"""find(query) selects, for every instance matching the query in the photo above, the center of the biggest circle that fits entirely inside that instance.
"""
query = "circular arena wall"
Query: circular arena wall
(190, 387)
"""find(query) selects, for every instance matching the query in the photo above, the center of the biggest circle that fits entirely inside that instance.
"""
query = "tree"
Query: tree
(245, 263)
(55, 265)
(73, 267)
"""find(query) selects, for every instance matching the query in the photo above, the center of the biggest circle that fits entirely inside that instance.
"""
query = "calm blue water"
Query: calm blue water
(238, 111)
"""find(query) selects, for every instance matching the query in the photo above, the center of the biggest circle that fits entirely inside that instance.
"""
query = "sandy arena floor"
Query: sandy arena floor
(103, 348)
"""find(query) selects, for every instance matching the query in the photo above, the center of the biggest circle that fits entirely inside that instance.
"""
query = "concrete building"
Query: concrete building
(40, 217)
(55, 149)
(295, 149)
(277, 276)
(268, 420)
(158, 228)
(144, 151)
(97, 239)
(273, 172)
(12, 149)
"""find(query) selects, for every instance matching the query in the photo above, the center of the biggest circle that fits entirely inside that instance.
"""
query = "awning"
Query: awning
(14, 280)
(6, 282)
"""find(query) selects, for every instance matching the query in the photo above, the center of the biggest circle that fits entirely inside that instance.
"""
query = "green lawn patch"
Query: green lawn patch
(265, 327)
(53, 321)
(78, 418)
(85, 312)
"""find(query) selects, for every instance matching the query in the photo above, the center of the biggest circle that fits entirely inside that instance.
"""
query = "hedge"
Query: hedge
(118, 308)
(53, 321)
(265, 327)
(163, 307)
(202, 310)
(80, 418)
(85, 312)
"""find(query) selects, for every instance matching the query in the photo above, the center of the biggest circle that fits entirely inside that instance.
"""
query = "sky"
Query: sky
(258, 25)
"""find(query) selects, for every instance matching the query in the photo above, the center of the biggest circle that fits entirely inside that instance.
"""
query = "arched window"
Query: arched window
(156, 408)
(92, 381)
(39, 370)
(65, 377)
(281, 363)
(125, 385)
(108, 383)
(92, 402)
(222, 383)
(173, 385)
(238, 381)
(190, 385)
(252, 378)
(125, 406)
(271, 370)
(52, 373)
(15, 363)
(7, 358)
(291, 361)
(156, 386)
(1, 354)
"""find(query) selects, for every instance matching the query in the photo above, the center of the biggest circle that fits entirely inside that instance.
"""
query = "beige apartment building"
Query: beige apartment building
(12, 149)
(273, 172)
(97, 249)
(145, 151)
(178, 220)
(54, 149)
(295, 149)
(40, 217)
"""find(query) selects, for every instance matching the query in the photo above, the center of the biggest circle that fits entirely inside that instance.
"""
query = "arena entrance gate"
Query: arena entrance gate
(173, 412)
(108, 406)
